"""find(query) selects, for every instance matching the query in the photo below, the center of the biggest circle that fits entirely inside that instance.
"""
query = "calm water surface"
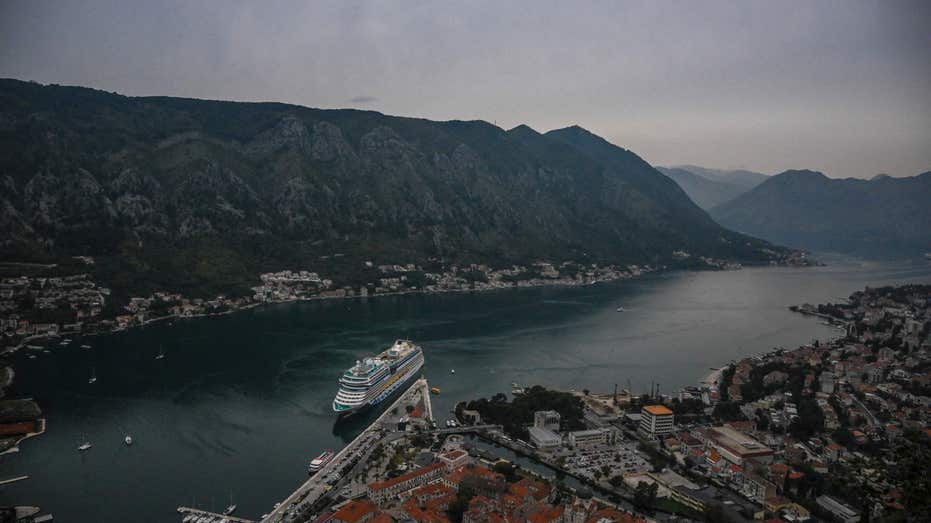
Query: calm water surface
(241, 403)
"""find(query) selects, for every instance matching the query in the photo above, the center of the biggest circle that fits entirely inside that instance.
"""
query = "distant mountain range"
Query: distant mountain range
(711, 187)
(880, 217)
(197, 195)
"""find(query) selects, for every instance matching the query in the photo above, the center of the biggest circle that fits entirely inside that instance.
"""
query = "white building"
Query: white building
(656, 420)
(546, 419)
(838, 509)
(544, 438)
(581, 439)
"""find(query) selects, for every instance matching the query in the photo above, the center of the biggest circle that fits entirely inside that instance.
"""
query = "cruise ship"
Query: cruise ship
(372, 380)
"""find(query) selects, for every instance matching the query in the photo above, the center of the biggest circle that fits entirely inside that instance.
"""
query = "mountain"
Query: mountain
(197, 195)
(881, 217)
(738, 177)
(711, 187)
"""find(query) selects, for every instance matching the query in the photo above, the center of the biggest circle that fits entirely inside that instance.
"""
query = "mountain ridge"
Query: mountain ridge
(174, 192)
(879, 217)
(711, 187)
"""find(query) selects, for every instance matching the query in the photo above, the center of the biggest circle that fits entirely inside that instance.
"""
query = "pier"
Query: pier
(215, 518)
(318, 486)
(13, 480)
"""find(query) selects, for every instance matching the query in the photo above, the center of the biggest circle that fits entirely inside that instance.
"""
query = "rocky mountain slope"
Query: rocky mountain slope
(711, 187)
(881, 217)
(182, 194)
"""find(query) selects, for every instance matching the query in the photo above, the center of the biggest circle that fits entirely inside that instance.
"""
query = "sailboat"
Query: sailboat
(161, 353)
(93, 378)
(86, 445)
(230, 509)
(128, 440)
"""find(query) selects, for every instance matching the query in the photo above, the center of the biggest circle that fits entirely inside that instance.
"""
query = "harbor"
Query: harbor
(195, 515)
(335, 473)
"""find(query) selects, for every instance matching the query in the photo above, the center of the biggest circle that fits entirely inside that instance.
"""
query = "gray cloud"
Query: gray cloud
(835, 85)
(363, 99)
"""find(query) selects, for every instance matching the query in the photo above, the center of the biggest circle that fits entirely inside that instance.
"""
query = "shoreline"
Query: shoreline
(258, 304)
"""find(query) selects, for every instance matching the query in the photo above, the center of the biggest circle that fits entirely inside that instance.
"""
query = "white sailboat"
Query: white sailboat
(231, 508)
(93, 378)
(86, 445)
(161, 353)
(128, 440)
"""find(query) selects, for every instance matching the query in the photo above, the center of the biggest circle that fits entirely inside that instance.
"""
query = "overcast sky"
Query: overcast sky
(842, 87)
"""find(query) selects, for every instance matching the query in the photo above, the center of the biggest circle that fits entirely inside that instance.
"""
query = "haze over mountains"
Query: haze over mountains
(880, 217)
(711, 187)
(170, 192)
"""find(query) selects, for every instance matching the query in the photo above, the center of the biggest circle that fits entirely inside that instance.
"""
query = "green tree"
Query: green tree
(645, 496)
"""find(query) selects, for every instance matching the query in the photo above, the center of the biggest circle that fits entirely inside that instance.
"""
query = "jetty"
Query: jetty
(213, 517)
(13, 480)
(329, 478)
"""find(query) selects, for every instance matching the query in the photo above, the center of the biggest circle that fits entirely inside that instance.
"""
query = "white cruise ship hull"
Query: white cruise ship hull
(376, 380)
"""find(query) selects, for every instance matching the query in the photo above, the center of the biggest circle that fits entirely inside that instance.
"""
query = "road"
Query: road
(320, 483)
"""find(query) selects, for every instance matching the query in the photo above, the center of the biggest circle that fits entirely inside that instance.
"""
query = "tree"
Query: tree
(645, 495)
(507, 470)
(715, 514)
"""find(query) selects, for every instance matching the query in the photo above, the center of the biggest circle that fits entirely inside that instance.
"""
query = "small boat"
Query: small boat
(85, 346)
(85, 446)
(93, 378)
(231, 508)
(32, 356)
(161, 353)
(435, 390)
(317, 463)
(452, 371)
(621, 309)
(34, 347)
(128, 440)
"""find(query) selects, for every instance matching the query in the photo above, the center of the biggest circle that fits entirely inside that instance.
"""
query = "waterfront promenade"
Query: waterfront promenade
(327, 479)
(186, 511)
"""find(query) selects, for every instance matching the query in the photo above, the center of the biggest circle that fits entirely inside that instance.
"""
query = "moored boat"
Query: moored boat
(374, 379)
(317, 463)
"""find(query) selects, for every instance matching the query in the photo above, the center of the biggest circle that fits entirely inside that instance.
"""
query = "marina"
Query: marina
(328, 478)
(194, 515)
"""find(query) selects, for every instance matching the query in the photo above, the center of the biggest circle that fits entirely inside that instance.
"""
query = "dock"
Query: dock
(317, 488)
(214, 517)
(13, 480)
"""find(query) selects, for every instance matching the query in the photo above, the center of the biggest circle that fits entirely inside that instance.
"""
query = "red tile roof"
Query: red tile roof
(379, 485)
(355, 510)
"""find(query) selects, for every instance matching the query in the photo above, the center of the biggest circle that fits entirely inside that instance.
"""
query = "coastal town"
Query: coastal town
(38, 310)
(837, 430)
